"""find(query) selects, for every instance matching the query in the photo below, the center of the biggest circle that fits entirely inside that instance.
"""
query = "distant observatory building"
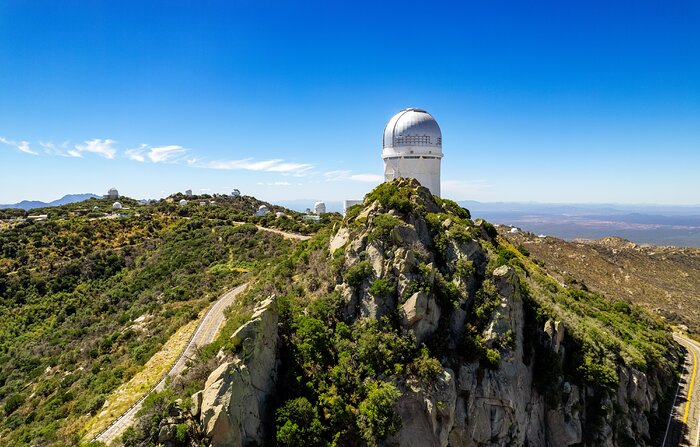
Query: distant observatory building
(412, 148)
(112, 194)
(319, 208)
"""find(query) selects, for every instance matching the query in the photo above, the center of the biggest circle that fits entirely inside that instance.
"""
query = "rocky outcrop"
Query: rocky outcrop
(503, 406)
(427, 414)
(420, 313)
(235, 397)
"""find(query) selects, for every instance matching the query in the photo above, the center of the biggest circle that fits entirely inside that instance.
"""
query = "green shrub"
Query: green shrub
(493, 358)
(298, 424)
(13, 402)
(383, 225)
(391, 196)
(381, 288)
(425, 368)
(377, 418)
(356, 274)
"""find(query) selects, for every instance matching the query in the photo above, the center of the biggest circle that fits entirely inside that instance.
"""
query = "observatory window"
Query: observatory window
(414, 140)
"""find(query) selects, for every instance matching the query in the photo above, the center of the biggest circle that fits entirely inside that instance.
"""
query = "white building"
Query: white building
(116, 206)
(188, 193)
(319, 208)
(412, 148)
(348, 203)
(183, 202)
(312, 217)
(112, 194)
(263, 210)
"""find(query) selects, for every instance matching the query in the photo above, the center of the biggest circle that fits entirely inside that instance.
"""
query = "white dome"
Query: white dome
(414, 128)
(117, 205)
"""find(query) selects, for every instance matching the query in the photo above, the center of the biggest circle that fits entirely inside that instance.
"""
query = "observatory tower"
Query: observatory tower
(413, 148)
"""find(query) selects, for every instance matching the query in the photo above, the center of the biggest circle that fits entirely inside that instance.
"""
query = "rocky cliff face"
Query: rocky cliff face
(478, 345)
(233, 405)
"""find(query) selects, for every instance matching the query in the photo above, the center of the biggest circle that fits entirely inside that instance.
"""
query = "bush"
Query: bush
(13, 402)
(377, 418)
(425, 368)
(298, 424)
(356, 274)
(391, 196)
(381, 288)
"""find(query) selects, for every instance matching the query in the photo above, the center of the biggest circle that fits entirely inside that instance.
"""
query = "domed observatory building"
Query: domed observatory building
(413, 148)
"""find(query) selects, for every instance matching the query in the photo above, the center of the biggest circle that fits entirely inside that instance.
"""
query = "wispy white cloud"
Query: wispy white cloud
(159, 154)
(334, 176)
(61, 150)
(165, 153)
(104, 148)
(137, 154)
(249, 164)
(22, 146)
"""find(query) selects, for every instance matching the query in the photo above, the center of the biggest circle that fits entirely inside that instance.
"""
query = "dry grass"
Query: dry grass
(126, 395)
(665, 280)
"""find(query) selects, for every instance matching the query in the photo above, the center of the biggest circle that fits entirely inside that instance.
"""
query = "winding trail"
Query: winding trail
(284, 234)
(205, 333)
(683, 428)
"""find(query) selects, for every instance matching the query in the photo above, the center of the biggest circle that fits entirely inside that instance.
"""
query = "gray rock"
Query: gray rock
(235, 396)
(421, 314)
(427, 416)
(167, 433)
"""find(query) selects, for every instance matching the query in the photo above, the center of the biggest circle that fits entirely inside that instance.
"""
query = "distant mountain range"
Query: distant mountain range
(68, 198)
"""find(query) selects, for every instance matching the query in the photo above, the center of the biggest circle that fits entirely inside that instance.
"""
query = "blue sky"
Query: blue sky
(537, 101)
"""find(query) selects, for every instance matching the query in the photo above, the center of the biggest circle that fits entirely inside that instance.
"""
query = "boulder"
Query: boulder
(421, 314)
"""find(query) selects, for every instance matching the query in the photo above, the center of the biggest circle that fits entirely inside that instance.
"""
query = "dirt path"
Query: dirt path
(204, 334)
(683, 428)
(284, 234)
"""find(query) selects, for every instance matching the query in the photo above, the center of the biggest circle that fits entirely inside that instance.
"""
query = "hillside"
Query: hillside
(665, 280)
(89, 295)
(410, 324)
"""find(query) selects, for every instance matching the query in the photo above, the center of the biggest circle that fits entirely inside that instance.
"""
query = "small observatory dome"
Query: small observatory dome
(412, 148)
(116, 206)
(263, 210)
(183, 202)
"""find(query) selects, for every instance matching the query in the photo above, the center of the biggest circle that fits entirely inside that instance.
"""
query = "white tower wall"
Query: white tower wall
(425, 170)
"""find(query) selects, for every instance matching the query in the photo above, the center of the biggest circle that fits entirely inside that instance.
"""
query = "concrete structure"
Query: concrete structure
(236, 193)
(312, 217)
(116, 206)
(112, 194)
(183, 202)
(412, 148)
(263, 210)
(348, 203)
(280, 214)
(319, 208)
(188, 193)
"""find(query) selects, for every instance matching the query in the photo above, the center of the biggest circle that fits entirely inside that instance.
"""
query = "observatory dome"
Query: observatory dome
(412, 129)
(412, 148)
